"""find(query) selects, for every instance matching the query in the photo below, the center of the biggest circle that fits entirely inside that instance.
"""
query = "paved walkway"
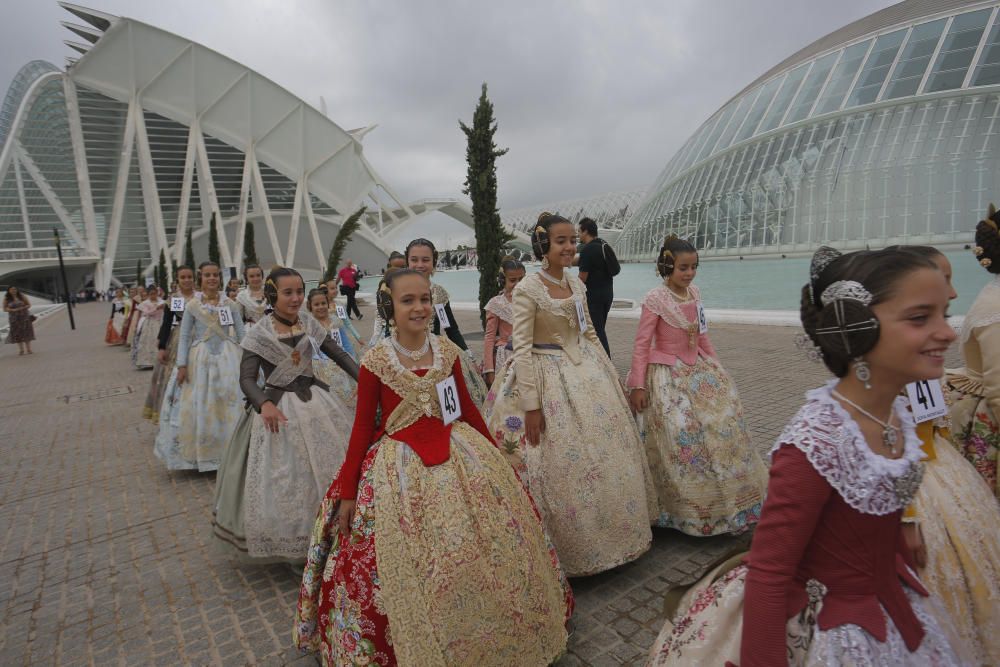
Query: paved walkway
(105, 557)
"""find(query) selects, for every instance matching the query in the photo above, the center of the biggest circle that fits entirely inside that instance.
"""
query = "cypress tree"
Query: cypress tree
(173, 266)
(161, 269)
(351, 225)
(481, 185)
(213, 242)
(189, 251)
(249, 249)
(138, 272)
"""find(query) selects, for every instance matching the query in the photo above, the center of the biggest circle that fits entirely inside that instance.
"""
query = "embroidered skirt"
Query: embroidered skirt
(588, 475)
(113, 334)
(976, 429)
(446, 565)
(270, 484)
(146, 344)
(708, 477)
(708, 628)
(342, 386)
(959, 518)
(158, 382)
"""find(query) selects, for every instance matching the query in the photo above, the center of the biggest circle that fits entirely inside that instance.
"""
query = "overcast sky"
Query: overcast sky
(591, 97)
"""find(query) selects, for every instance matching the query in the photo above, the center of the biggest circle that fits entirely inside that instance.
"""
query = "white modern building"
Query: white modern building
(610, 211)
(146, 135)
(884, 131)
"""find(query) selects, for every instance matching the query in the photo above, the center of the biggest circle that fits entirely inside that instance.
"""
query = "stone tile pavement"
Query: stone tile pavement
(105, 557)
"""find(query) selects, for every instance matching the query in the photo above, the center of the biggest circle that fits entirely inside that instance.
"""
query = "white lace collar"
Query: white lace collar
(832, 441)
(398, 365)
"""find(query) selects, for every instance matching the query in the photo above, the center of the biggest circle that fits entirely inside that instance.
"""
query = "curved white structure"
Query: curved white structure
(882, 132)
(148, 135)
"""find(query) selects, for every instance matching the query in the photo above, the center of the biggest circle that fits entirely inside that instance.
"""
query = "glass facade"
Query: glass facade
(889, 138)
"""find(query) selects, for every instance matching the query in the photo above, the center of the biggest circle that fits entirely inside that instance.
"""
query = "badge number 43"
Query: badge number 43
(447, 391)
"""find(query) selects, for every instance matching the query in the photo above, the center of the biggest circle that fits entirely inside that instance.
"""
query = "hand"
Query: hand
(534, 426)
(914, 539)
(638, 400)
(488, 376)
(273, 417)
(345, 516)
(182, 375)
(161, 356)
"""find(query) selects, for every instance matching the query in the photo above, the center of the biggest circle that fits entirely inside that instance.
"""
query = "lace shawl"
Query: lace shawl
(985, 309)
(501, 307)
(418, 393)
(834, 445)
(250, 305)
(439, 295)
(661, 301)
(289, 363)
(208, 315)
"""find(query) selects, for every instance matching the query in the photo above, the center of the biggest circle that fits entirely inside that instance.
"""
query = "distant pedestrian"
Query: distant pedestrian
(598, 267)
(347, 278)
(18, 309)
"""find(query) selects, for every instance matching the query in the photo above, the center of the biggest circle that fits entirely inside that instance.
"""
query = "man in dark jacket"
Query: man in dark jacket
(597, 277)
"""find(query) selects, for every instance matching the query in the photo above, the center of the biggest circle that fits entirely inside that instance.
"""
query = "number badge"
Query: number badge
(702, 320)
(225, 316)
(177, 304)
(341, 312)
(926, 400)
(442, 316)
(451, 409)
(581, 314)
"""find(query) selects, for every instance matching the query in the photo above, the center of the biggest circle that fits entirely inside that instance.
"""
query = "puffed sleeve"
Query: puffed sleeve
(249, 372)
(524, 336)
(796, 494)
(640, 351)
(339, 356)
(184, 344)
(988, 338)
(369, 387)
(489, 340)
(238, 324)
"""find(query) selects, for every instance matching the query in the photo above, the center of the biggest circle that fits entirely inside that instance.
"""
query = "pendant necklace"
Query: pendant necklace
(415, 355)
(563, 282)
(287, 323)
(890, 433)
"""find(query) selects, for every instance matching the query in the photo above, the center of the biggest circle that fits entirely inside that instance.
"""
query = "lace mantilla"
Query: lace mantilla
(661, 301)
(535, 288)
(502, 308)
(419, 393)
(439, 295)
(251, 306)
(836, 448)
(289, 363)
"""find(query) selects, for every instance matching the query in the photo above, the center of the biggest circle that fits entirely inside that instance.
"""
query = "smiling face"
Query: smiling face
(685, 269)
(913, 330)
(319, 306)
(185, 280)
(255, 278)
(411, 303)
(291, 294)
(421, 258)
(562, 244)
(210, 279)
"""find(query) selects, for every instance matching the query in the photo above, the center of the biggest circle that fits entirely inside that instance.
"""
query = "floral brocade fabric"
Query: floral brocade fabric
(709, 478)
(977, 435)
(437, 559)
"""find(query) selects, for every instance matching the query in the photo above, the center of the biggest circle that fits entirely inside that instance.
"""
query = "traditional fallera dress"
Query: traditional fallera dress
(709, 479)
(114, 333)
(21, 330)
(588, 474)
(959, 519)
(147, 336)
(270, 484)
(131, 322)
(167, 337)
(199, 417)
(252, 309)
(342, 385)
(473, 380)
(497, 345)
(825, 582)
(975, 389)
(447, 563)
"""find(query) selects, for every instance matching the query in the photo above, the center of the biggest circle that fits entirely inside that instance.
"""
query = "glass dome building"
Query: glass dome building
(885, 131)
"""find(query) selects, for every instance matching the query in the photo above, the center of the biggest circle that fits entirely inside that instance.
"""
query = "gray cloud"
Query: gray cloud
(590, 96)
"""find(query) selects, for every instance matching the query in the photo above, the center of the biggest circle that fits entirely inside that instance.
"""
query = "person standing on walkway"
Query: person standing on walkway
(347, 278)
(497, 344)
(19, 318)
(148, 331)
(397, 260)
(427, 549)
(114, 333)
(166, 342)
(342, 385)
(708, 477)
(207, 374)
(422, 257)
(562, 417)
(292, 436)
(251, 299)
(598, 267)
(825, 582)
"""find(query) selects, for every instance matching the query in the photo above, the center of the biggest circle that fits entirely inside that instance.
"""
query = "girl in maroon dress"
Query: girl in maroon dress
(826, 582)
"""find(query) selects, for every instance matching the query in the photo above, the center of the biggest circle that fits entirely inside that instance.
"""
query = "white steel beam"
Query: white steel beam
(50, 195)
(182, 214)
(121, 182)
(241, 225)
(307, 201)
(205, 173)
(80, 161)
(150, 194)
(260, 200)
(293, 225)
(20, 196)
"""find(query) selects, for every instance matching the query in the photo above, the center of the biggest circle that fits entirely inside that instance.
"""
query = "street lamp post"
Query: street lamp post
(62, 272)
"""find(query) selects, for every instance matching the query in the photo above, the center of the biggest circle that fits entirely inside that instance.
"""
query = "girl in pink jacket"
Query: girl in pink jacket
(708, 477)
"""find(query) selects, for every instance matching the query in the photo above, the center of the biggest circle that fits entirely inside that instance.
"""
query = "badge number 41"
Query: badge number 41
(451, 409)
(926, 400)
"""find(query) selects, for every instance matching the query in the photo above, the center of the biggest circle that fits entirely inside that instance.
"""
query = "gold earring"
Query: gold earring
(545, 263)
